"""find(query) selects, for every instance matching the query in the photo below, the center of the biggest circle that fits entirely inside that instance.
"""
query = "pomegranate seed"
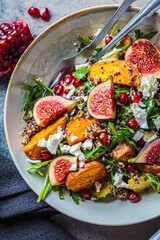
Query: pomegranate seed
(131, 167)
(61, 82)
(21, 49)
(77, 83)
(46, 156)
(34, 12)
(66, 91)
(68, 79)
(5, 65)
(85, 194)
(135, 97)
(132, 124)
(108, 39)
(1, 58)
(59, 90)
(45, 14)
(103, 138)
(133, 197)
(123, 98)
(141, 142)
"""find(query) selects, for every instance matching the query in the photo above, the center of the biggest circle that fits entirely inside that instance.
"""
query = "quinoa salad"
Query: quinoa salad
(97, 133)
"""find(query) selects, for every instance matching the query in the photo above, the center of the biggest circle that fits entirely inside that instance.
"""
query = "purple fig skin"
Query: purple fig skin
(146, 155)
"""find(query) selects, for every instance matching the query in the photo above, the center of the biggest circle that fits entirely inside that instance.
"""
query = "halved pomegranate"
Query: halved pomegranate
(14, 39)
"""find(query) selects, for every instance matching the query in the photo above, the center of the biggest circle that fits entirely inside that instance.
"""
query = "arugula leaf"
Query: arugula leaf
(154, 181)
(87, 86)
(60, 189)
(96, 51)
(39, 165)
(84, 104)
(112, 128)
(75, 197)
(80, 74)
(84, 41)
(119, 90)
(139, 34)
(96, 152)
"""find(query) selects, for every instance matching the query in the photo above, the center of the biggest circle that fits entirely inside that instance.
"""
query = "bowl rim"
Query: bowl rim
(20, 62)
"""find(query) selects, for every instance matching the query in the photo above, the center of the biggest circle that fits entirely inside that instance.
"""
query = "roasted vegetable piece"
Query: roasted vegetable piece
(126, 40)
(80, 128)
(85, 177)
(105, 190)
(124, 151)
(139, 186)
(123, 72)
(146, 168)
(31, 149)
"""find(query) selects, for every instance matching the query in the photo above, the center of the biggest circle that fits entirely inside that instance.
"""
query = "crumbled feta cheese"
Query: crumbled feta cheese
(70, 94)
(72, 137)
(33, 161)
(64, 148)
(81, 164)
(88, 144)
(149, 136)
(140, 115)
(118, 182)
(79, 105)
(76, 151)
(98, 186)
(98, 31)
(73, 167)
(53, 142)
(149, 86)
(59, 129)
(42, 143)
(157, 122)
(141, 104)
(138, 136)
(82, 66)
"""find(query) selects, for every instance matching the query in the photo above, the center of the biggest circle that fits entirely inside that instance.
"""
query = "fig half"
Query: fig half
(59, 168)
(145, 56)
(51, 108)
(101, 104)
(150, 153)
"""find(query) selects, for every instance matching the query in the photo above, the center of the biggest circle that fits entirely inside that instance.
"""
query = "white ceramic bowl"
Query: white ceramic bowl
(41, 59)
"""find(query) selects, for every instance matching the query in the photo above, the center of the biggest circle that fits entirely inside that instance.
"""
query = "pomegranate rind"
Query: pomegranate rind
(146, 56)
(150, 153)
(51, 108)
(53, 174)
(101, 104)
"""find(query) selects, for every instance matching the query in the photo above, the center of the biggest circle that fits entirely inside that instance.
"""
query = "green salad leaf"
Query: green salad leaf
(154, 181)
(140, 34)
(80, 74)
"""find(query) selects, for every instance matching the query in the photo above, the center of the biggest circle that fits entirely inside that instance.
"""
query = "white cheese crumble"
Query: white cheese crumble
(118, 182)
(157, 122)
(73, 167)
(64, 148)
(98, 186)
(141, 104)
(59, 129)
(42, 143)
(138, 136)
(76, 151)
(53, 142)
(82, 66)
(87, 145)
(98, 31)
(70, 94)
(149, 86)
(79, 105)
(140, 115)
(81, 164)
(149, 136)
(72, 137)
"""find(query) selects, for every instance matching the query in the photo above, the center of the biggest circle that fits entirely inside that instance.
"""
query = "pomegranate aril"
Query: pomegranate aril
(85, 194)
(141, 143)
(108, 39)
(66, 91)
(61, 82)
(59, 90)
(68, 79)
(133, 124)
(135, 97)
(45, 14)
(131, 167)
(34, 12)
(77, 83)
(21, 49)
(133, 197)
(123, 98)
(46, 156)
(103, 137)
(5, 65)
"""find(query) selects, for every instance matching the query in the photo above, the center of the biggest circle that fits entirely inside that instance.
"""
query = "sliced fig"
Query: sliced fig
(51, 108)
(59, 168)
(145, 56)
(150, 153)
(101, 104)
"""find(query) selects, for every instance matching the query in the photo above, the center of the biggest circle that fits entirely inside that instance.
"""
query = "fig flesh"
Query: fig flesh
(101, 104)
(51, 108)
(59, 168)
(149, 154)
(145, 56)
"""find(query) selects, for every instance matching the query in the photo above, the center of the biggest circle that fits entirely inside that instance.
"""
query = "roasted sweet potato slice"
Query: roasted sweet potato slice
(146, 168)
(81, 128)
(123, 72)
(85, 177)
(124, 151)
(139, 186)
(31, 149)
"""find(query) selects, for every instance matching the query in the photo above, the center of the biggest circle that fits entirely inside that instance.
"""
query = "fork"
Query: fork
(68, 64)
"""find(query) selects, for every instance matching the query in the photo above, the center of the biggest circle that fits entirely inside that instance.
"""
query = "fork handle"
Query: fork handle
(144, 13)
(110, 23)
